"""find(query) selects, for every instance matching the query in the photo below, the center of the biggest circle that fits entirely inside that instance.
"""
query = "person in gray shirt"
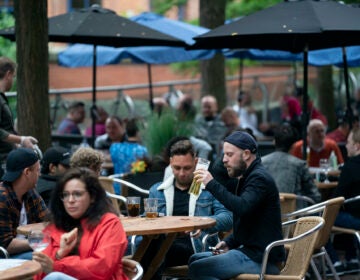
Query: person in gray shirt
(291, 174)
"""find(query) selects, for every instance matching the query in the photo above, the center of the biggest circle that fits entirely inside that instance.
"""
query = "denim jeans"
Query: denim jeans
(206, 266)
(58, 276)
(24, 256)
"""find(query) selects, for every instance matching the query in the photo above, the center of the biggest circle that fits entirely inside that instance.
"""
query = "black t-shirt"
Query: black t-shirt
(181, 202)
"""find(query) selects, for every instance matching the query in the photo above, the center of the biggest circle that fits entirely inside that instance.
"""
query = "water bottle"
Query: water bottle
(333, 161)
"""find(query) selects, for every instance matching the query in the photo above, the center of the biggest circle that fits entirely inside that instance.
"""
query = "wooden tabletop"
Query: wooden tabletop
(144, 226)
(330, 185)
(26, 270)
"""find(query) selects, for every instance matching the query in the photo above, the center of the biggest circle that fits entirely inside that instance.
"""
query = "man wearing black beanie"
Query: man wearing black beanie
(256, 215)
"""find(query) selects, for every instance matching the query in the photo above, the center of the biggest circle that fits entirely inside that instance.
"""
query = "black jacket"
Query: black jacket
(256, 213)
(349, 185)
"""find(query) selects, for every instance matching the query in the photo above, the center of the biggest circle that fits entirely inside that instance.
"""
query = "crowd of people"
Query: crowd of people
(241, 188)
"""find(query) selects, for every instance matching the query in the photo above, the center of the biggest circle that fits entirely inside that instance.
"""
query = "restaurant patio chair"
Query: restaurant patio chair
(328, 210)
(301, 247)
(4, 253)
(137, 270)
(107, 184)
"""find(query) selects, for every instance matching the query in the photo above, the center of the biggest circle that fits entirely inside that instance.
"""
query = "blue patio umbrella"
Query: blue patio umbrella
(79, 55)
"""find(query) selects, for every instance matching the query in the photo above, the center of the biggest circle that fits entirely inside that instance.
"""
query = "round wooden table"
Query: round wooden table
(25, 270)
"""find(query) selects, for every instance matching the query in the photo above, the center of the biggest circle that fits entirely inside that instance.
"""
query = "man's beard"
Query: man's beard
(238, 170)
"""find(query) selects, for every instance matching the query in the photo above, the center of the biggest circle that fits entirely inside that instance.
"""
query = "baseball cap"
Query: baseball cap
(56, 155)
(17, 160)
(242, 140)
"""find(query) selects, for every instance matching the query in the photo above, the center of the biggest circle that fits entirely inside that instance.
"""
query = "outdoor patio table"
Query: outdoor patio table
(11, 269)
(326, 189)
(150, 229)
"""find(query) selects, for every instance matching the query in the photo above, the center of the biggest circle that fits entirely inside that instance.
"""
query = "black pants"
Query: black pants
(178, 254)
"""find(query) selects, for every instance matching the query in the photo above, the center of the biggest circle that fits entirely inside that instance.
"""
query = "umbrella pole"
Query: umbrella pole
(93, 106)
(305, 116)
(241, 71)
(151, 101)
(347, 90)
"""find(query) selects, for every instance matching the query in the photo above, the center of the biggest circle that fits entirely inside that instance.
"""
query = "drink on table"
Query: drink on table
(133, 206)
(150, 206)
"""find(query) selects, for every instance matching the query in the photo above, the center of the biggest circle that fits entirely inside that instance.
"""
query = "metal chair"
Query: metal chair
(134, 269)
(328, 211)
(4, 252)
(107, 184)
(301, 247)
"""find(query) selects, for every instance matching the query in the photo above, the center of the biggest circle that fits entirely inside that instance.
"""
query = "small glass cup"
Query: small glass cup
(151, 207)
(38, 240)
(195, 187)
(325, 166)
(133, 206)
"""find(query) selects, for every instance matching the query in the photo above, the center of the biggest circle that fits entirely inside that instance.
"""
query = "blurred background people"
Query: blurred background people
(115, 132)
(87, 157)
(55, 162)
(319, 146)
(100, 129)
(75, 116)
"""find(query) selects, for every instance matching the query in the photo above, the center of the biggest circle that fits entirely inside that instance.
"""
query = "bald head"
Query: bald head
(316, 133)
(209, 106)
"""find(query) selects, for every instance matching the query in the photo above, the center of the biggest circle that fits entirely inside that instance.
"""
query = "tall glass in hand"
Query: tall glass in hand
(195, 187)
(133, 206)
(38, 240)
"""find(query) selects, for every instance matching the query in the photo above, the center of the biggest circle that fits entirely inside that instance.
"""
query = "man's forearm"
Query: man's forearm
(17, 246)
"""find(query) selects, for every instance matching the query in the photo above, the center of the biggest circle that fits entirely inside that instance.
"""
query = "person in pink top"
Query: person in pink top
(319, 146)
(87, 239)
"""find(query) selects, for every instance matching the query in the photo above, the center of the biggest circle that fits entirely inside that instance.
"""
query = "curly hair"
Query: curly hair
(96, 210)
(87, 157)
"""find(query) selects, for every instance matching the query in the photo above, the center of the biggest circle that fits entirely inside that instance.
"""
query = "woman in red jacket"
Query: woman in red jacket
(87, 238)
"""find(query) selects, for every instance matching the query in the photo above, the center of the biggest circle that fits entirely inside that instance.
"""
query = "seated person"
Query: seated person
(174, 200)
(349, 215)
(115, 132)
(319, 146)
(55, 162)
(123, 154)
(87, 238)
(100, 129)
(20, 204)
(87, 157)
(75, 116)
(291, 174)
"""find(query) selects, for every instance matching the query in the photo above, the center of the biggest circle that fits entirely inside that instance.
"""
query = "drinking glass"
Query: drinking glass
(195, 187)
(38, 240)
(133, 206)
(325, 166)
(151, 207)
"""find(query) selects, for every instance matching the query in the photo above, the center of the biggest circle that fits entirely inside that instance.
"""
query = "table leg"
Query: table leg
(160, 255)
(140, 251)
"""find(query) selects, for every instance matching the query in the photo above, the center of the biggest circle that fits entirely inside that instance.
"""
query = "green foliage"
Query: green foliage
(7, 48)
(162, 6)
(236, 9)
(158, 130)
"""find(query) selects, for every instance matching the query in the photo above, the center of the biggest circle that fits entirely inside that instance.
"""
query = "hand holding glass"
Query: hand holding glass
(201, 164)
(325, 166)
(38, 240)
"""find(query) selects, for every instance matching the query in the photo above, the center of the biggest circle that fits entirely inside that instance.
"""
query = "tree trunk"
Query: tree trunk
(212, 14)
(326, 94)
(32, 73)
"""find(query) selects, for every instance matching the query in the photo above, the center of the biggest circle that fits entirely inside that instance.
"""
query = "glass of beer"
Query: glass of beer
(195, 187)
(151, 207)
(133, 206)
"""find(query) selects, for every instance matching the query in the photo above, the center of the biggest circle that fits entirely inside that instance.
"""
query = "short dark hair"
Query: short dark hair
(75, 105)
(182, 147)
(97, 208)
(132, 128)
(6, 64)
(285, 136)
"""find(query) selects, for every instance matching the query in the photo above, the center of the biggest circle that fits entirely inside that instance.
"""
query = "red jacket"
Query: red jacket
(330, 145)
(100, 251)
